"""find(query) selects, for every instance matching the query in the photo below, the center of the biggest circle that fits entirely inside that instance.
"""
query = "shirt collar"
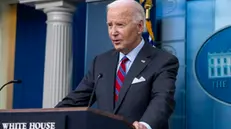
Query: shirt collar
(132, 54)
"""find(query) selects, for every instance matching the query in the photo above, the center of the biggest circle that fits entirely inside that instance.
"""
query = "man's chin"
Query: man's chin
(118, 48)
(122, 50)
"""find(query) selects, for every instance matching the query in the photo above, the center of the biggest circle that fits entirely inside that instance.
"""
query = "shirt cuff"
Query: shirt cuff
(146, 125)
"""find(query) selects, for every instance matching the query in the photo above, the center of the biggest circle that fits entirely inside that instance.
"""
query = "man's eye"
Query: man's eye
(120, 25)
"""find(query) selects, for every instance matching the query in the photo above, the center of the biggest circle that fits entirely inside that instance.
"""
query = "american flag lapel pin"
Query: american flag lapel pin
(143, 61)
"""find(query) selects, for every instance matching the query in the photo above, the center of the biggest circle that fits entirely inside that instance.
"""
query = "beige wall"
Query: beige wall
(7, 51)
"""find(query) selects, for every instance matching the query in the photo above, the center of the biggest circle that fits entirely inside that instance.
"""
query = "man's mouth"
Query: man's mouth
(116, 41)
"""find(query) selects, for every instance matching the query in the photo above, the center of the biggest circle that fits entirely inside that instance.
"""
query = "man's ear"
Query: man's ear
(140, 26)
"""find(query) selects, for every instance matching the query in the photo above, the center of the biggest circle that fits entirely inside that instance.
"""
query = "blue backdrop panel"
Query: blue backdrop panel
(97, 39)
(200, 24)
(79, 32)
(29, 57)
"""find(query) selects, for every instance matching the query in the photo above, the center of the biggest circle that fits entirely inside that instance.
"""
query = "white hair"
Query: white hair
(138, 10)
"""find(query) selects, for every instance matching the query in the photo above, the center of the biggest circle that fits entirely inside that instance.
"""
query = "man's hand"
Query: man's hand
(139, 125)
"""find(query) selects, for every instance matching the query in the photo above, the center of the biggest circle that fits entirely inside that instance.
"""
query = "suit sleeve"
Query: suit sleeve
(162, 101)
(81, 95)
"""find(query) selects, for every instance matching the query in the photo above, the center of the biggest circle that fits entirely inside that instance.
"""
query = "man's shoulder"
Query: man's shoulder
(162, 58)
(163, 55)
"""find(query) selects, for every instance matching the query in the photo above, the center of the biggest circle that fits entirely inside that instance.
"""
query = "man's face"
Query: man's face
(123, 31)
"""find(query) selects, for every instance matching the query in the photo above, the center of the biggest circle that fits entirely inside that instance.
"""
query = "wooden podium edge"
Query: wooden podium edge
(71, 109)
(44, 110)
(110, 115)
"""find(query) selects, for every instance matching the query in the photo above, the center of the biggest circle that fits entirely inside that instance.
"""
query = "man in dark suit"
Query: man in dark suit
(134, 80)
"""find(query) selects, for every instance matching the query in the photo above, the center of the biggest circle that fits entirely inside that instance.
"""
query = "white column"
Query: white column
(215, 67)
(58, 60)
(222, 66)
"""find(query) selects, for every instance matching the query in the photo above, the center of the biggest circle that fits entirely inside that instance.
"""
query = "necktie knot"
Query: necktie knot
(124, 60)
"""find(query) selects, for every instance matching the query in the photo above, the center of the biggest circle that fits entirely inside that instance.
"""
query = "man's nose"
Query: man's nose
(114, 31)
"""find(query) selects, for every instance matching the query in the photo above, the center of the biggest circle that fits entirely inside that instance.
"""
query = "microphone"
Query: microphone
(13, 81)
(93, 92)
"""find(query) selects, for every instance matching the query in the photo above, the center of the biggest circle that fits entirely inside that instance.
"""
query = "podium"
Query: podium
(61, 118)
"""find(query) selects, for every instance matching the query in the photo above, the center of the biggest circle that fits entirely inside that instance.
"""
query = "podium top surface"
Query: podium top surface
(72, 109)
(46, 109)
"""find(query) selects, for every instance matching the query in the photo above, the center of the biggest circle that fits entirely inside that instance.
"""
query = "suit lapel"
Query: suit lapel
(110, 70)
(141, 61)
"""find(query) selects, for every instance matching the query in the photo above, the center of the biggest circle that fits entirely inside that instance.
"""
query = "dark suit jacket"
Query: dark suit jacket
(151, 101)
